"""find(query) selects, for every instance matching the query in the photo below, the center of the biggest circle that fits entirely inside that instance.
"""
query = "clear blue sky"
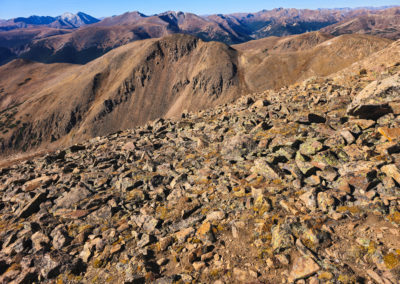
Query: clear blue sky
(100, 8)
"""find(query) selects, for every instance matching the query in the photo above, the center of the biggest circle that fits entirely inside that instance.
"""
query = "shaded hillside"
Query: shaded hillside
(16, 42)
(126, 87)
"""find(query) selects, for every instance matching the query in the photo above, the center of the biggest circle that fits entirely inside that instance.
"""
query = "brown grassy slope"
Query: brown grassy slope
(127, 87)
(373, 66)
(384, 23)
(154, 78)
(21, 78)
(275, 62)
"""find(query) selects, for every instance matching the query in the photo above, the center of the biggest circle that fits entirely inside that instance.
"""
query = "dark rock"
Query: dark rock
(33, 206)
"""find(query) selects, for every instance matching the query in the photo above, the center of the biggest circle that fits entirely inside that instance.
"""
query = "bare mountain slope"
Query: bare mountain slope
(277, 62)
(144, 80)
(372, 67)
(384, 23)
(126, 87)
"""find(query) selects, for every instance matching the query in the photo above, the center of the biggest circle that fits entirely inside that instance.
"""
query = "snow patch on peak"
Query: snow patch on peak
(68, 16)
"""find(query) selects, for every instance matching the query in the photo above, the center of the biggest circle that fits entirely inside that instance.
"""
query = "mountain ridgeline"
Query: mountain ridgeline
(60, 104)
(81, 38)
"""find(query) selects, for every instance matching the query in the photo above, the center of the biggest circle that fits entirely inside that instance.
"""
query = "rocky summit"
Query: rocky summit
(299, 185)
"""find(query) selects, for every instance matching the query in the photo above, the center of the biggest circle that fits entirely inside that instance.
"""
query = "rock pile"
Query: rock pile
(295, 186)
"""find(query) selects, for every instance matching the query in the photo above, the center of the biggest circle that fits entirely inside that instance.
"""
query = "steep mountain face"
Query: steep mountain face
(144, 80)
(382, 23)
(72, 21)
(127, 87)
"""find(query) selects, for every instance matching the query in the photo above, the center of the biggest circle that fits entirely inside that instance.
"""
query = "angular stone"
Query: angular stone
(33, 206)
(205, 232)
(310, 147)
(60, 238)
(215, 216)
(38, 182)
(395, 106)
(363, 123)
(391, 134)
(281, 238)
(40, 241)
(72, 197)
(392, 171)
(303, 267)
(165, 242)
(310, 199)
(354, 152)
(373, 101)
(198, 265)
(71, 214)
(270, 172)
(28, 275)
(344, 185)
(388, 148)
(348, 136)
(49, 267)
(145, 240)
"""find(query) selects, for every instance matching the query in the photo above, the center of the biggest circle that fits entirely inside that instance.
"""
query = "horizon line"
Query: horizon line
(239, 12)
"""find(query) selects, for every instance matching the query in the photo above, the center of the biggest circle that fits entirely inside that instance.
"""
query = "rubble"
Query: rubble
(276, 187)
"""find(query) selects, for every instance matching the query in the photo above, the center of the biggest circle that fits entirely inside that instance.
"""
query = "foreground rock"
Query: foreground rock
(298, 189)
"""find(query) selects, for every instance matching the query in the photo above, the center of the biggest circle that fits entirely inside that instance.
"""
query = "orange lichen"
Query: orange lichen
(395, 217)
(391, 260)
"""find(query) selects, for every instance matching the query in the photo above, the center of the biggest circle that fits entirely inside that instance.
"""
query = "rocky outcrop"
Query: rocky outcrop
(377, 99)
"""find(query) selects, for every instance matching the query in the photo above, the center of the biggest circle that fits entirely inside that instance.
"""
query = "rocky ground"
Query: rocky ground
(295, 186)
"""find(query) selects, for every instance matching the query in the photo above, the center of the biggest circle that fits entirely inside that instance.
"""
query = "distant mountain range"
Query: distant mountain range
(65, 21)
(80, 38)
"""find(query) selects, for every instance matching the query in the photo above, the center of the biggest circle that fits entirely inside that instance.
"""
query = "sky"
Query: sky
(100, 8)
